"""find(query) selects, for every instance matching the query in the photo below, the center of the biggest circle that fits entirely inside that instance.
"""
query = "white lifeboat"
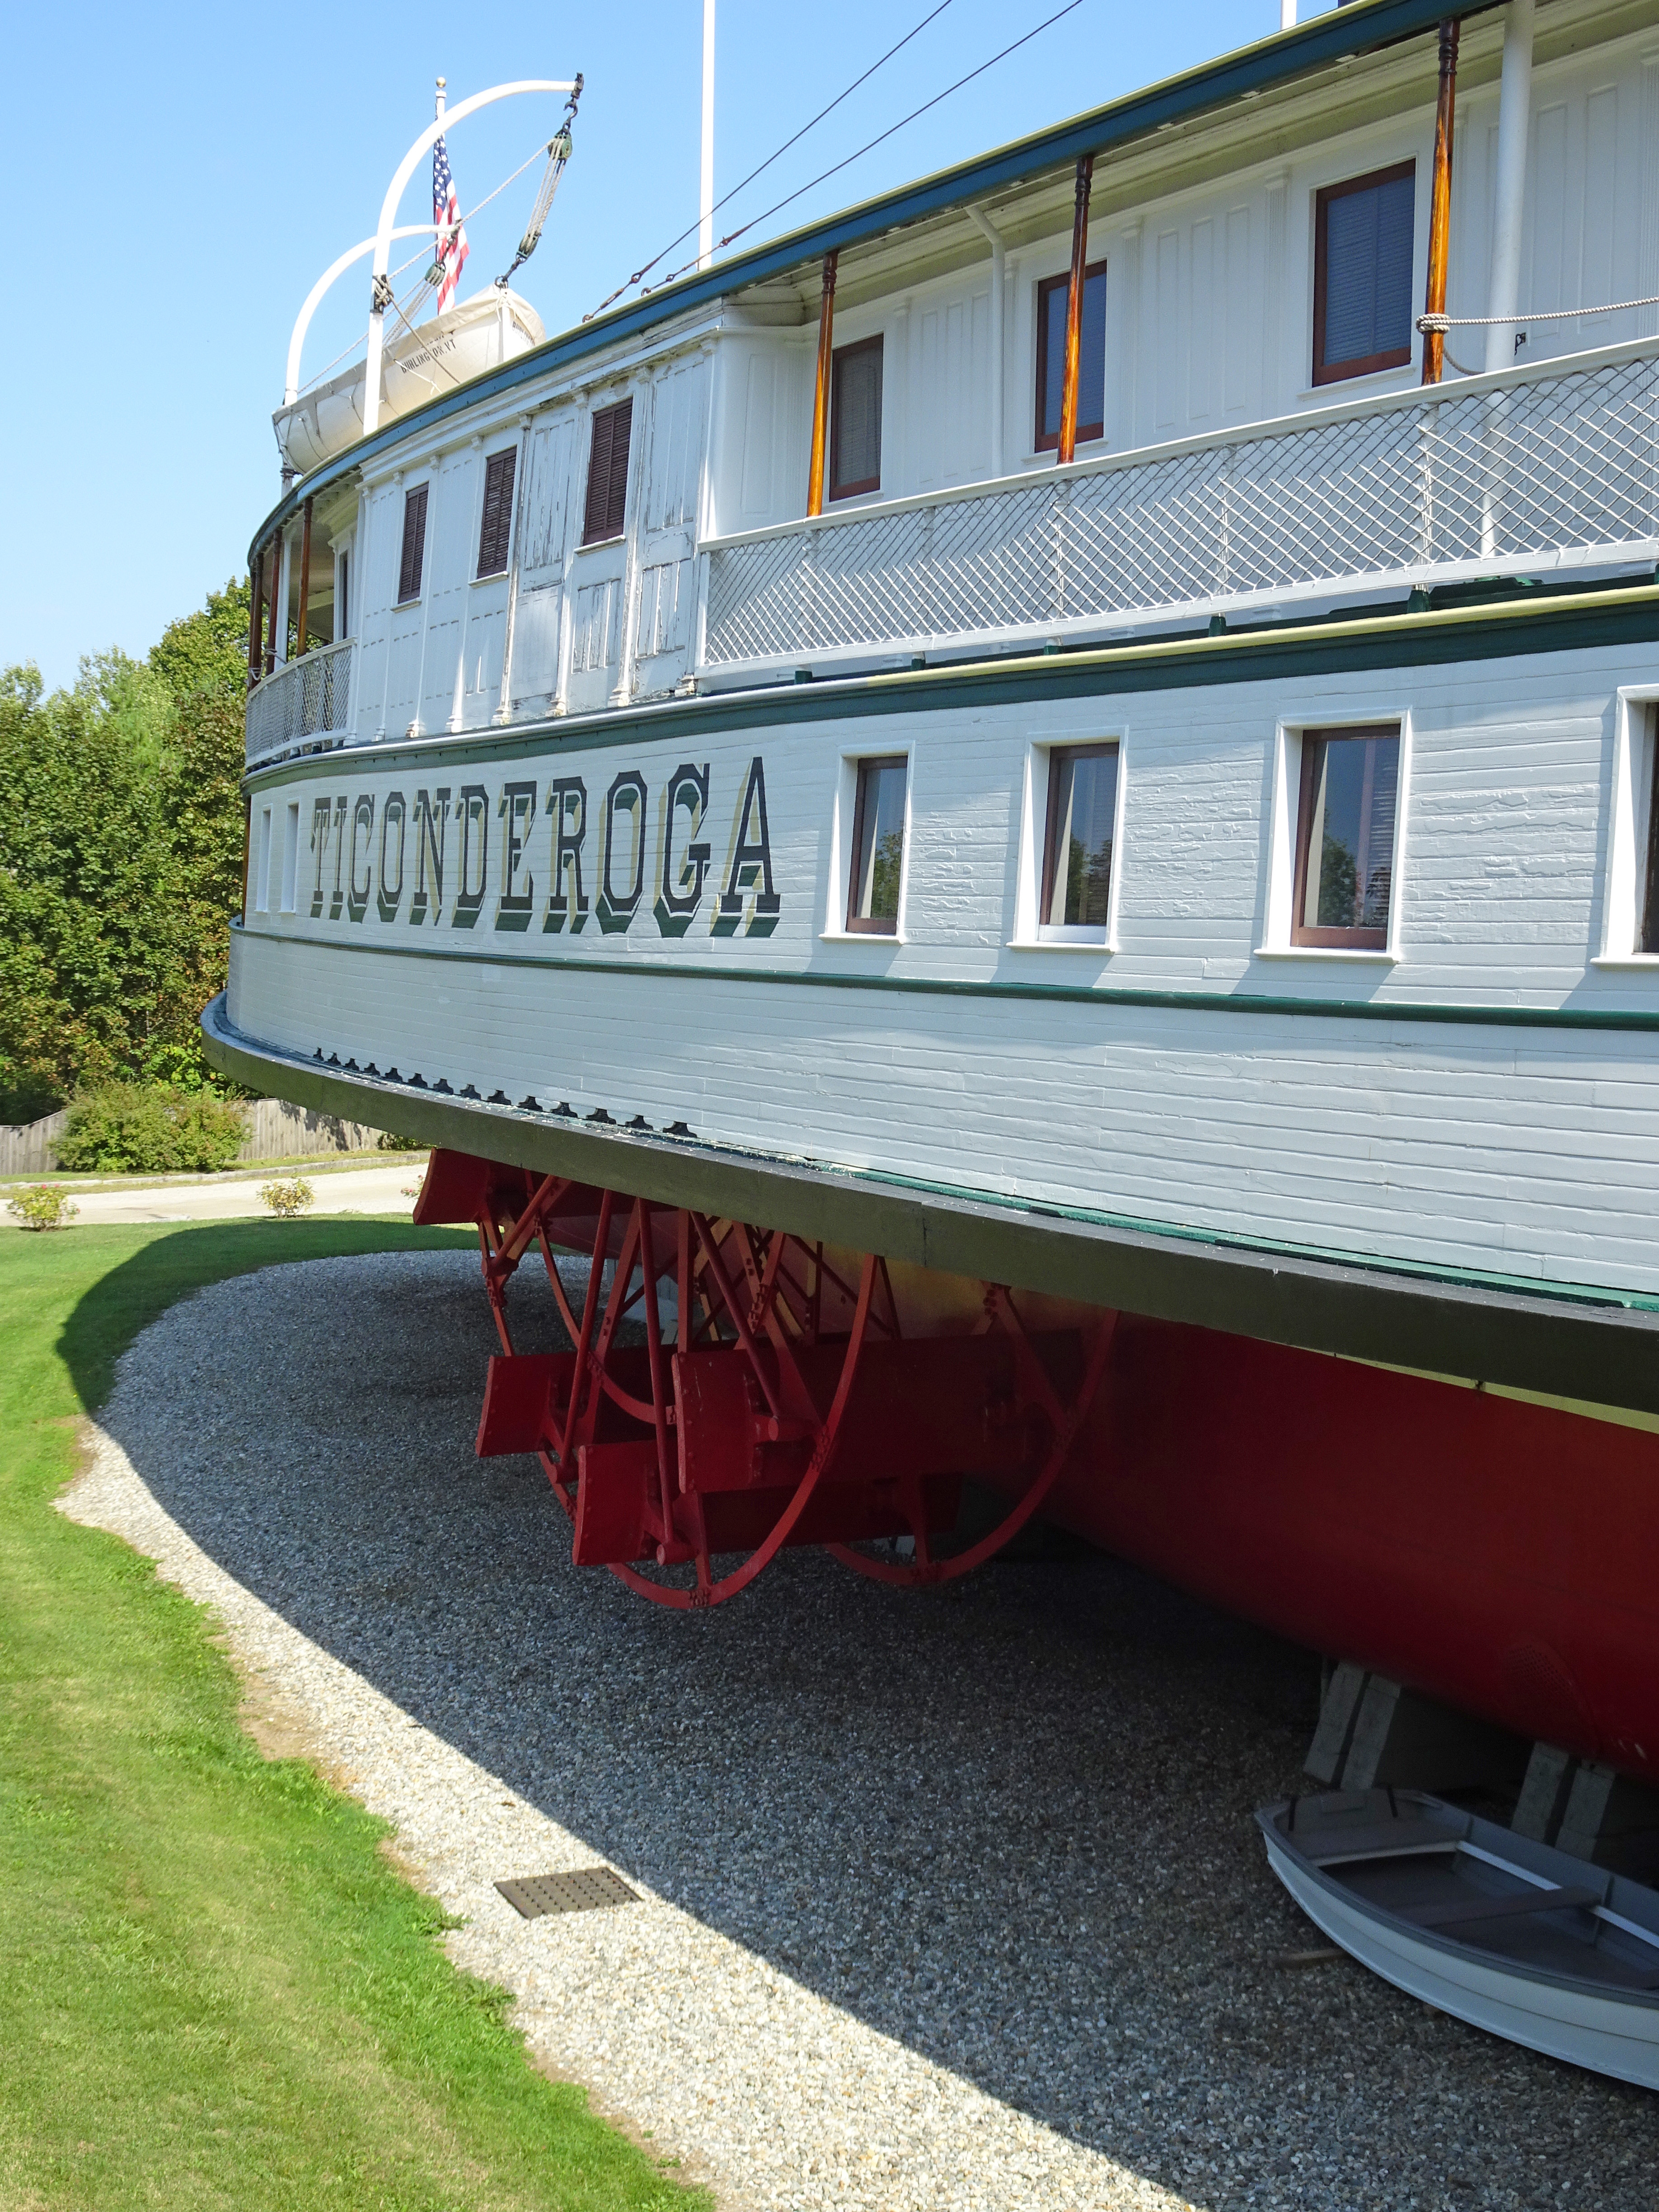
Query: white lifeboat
(475, 335)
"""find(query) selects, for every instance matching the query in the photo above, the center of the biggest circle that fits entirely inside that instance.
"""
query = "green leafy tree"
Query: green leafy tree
(121, 861)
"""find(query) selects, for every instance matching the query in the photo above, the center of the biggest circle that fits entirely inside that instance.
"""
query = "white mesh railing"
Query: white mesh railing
(306, 698)
(1493, 470)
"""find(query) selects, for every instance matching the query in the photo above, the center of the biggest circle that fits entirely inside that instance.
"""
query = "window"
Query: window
(1077, 853)
(873, 888)
(1363, 274)
(342, 612)
(1345, 838)
(262, 865)
(607, 473)
(855, 419)
(291, 857)
(496, 531)
(414, 553)
(1053, 299)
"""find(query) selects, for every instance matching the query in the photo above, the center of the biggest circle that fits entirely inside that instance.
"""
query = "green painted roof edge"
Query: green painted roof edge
(1361, 26)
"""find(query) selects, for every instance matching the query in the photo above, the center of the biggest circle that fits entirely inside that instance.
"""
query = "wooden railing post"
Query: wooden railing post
(256, 610)
(304, 579)
(821, 395)
(1434, 341)
(1066, 449)
(275, 601)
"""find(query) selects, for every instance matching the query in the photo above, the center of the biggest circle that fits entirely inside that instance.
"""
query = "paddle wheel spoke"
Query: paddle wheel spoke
(785, 1405)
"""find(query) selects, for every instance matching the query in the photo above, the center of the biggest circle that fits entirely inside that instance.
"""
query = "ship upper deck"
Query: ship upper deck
(622, 515)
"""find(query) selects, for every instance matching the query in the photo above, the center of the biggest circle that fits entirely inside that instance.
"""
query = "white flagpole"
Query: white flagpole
(706, 198)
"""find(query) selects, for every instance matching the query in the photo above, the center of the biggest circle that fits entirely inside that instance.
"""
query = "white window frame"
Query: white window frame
(1031, 935)
(262, 863)
(1284, 797)
(845, 806)
(1628, 828)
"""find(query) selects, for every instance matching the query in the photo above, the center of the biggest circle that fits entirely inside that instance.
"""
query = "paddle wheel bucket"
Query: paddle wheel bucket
(734, 1390)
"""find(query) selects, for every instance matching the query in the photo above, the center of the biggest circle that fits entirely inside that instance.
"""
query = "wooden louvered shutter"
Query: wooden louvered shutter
(607, 473)
(414, 553)
(495, 533)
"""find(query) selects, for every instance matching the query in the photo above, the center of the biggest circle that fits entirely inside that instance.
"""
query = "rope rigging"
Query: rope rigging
(558, 153)
(557, 150)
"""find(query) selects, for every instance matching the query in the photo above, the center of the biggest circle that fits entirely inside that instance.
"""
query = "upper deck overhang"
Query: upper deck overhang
(1364, 26)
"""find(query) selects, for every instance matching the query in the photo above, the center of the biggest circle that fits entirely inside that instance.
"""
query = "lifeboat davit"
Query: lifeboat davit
(494, 326)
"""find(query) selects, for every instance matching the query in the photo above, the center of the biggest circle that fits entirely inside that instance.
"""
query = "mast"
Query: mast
(706, 194)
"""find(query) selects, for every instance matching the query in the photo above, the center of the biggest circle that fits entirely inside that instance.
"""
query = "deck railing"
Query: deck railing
(1485, 472)
(310, 697)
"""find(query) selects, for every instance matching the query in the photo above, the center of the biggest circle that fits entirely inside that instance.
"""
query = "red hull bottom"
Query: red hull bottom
(1501, 1556)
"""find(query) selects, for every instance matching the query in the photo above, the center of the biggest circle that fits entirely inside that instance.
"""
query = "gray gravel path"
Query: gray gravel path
(950, 1898)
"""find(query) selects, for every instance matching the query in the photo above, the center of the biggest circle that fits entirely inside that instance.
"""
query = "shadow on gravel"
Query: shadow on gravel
(1008, 1823)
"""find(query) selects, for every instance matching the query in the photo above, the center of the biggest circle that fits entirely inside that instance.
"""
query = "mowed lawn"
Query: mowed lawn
(213, 1989)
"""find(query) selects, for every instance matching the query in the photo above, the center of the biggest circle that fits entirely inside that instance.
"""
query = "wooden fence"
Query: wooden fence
(275, 1131)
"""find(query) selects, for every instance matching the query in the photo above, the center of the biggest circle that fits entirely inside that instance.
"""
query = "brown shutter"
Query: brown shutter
(414, 552)
(607, 473)
(621, 435)
(496, 534)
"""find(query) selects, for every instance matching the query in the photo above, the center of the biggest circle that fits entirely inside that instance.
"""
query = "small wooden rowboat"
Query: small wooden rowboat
(1508, 1933)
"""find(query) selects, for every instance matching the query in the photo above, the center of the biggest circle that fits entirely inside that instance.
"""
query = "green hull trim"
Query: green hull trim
(1634, 1020)
(1400, 638)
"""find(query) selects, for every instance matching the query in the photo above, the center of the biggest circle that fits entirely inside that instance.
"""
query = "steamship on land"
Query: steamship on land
(1034, 808)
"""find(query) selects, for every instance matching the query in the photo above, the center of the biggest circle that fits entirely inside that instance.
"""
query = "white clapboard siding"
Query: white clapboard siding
(1530, 1152)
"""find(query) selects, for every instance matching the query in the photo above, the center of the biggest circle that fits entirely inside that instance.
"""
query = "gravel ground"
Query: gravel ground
(950, 1898)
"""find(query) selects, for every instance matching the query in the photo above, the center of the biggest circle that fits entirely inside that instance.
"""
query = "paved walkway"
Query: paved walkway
(337, 1190)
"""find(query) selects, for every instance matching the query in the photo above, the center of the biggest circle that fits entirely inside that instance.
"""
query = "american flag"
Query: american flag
(451, 232)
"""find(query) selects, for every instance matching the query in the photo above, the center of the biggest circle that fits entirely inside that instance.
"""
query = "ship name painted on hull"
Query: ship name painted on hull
(531, 854)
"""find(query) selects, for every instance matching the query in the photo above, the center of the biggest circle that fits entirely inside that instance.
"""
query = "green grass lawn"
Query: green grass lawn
(214, 1989)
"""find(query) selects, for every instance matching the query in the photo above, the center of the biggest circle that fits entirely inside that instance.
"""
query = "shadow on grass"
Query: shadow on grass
(170, 1264)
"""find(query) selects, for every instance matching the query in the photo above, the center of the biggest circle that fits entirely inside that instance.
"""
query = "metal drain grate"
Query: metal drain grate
(580, 1891)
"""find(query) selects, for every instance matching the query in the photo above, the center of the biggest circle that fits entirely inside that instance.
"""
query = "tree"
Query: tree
(120, 860)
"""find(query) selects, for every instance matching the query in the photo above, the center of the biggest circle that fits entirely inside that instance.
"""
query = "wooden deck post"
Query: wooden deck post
(256, 610)
(821, 396)
(305, 578)
(275, 601)
(1434, 342)
(1066, 450)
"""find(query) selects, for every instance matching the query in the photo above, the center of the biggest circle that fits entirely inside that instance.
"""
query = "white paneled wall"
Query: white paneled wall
(1209, 312)
(1210, 297)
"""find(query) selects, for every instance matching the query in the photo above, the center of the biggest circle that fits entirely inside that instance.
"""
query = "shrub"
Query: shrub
(287, 1200)
(150, 1129)
(44, 1206)
(388, 1141)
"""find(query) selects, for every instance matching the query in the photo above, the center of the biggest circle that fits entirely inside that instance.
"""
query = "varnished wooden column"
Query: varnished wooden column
(1066, 450)
(821, 395)
(1434, 303)
(256, 610)
(278, 611)
(305, 578)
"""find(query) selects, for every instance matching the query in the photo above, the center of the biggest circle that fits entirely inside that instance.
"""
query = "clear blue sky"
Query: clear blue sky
(182, 173)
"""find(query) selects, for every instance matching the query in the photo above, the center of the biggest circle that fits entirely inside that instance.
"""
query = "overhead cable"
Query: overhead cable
(732, 236)
(727, 197)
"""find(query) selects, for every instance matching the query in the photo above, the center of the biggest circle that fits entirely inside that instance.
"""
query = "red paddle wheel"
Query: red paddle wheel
(775, 1398)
